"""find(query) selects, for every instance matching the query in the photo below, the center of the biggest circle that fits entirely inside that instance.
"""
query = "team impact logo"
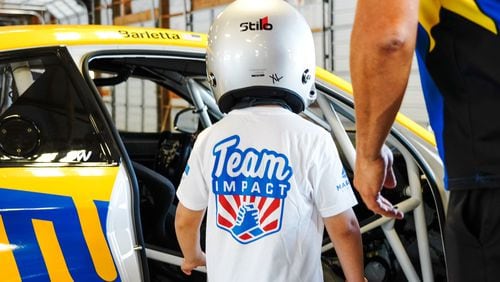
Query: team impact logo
(250, 188)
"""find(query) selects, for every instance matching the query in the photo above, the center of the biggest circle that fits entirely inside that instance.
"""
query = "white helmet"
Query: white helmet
(261, 49)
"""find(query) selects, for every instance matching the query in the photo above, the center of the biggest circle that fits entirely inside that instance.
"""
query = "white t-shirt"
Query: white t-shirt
(267, 176)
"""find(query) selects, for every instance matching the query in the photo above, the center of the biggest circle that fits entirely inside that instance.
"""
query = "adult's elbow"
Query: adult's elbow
(396, 43)
(391, 44)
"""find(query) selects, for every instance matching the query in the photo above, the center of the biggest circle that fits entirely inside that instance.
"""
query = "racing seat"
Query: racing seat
(157, 194)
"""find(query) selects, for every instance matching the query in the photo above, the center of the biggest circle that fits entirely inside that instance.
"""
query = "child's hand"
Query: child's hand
(191, 263)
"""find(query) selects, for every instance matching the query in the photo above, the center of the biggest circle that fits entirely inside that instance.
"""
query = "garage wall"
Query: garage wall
(332, 46)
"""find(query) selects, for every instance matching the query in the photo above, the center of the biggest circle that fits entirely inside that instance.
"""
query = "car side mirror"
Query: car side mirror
(187, 121)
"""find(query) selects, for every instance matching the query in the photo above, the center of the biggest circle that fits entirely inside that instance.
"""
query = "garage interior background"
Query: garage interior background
(330, 21)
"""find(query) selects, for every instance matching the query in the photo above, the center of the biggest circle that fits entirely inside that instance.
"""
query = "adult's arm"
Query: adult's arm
(382, 45)
(187, 228)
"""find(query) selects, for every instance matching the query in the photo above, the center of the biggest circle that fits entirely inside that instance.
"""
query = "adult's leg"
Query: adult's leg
(472, 242)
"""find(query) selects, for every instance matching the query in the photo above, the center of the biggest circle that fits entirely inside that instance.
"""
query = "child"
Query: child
(270, 179)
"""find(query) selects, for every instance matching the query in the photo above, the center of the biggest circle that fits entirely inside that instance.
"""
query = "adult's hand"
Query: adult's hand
(370, 176)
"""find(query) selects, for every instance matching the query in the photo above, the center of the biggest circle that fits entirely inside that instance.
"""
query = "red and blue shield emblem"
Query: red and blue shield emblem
(250, 188)
(249, 219)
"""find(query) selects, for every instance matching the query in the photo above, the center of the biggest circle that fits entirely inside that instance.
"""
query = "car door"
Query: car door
(66, 205)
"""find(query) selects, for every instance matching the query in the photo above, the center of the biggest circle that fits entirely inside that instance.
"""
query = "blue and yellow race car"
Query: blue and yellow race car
(96, 125)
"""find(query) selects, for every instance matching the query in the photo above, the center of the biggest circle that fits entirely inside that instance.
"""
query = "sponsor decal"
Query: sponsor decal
(345, 184)
(251, 187)
(261, 24)
(48, 241)
(149, 35)
(77, 156)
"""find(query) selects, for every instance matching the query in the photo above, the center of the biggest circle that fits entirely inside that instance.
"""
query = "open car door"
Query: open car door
(66, 196)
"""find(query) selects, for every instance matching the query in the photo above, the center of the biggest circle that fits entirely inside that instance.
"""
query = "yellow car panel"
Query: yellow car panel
(15, 37)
